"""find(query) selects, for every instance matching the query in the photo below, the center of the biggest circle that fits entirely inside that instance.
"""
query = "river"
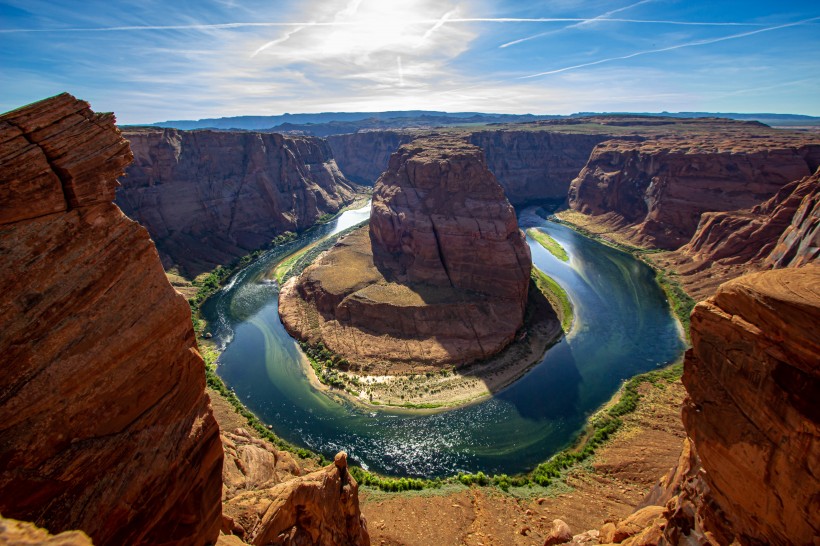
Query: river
(623, 327)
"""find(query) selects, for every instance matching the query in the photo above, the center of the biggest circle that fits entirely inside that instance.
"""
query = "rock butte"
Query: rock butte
(104, 419)
(440, 278)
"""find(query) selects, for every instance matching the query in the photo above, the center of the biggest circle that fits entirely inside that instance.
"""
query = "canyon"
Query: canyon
(106, 423)
(208, 197)
(440, 277)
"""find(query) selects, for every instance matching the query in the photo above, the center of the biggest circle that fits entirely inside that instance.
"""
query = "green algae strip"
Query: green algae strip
(548, 243)
(557, 296)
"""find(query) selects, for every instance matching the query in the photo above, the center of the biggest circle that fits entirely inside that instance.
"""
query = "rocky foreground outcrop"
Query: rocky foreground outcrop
(753, 380)
(654, 191)
(441, 278)
(104, 422)
(23, 533)
(320, 508)
(208, 197)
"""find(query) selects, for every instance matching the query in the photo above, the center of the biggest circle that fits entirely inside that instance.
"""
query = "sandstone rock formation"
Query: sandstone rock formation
(753, 378)
(780, 232)
(535, 166)
(441, 278)
(207, 197)
(321, 508)
(363, 157)
(23, 533)
(104, 422)
(655, 191)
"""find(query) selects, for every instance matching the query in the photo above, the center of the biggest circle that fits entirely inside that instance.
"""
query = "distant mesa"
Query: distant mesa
(439, 278)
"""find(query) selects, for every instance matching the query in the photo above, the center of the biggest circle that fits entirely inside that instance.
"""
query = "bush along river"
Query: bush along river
(622, 327)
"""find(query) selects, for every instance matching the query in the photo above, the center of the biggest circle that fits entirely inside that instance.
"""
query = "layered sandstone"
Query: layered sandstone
(780, 232)
(654, 191)
(321, 508)
(363, 156)
(535, 166)
(440, 277)
(753, 378)
(104, 421)
(208, 197)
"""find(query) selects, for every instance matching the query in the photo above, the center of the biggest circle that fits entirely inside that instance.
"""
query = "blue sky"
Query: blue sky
(152, 60)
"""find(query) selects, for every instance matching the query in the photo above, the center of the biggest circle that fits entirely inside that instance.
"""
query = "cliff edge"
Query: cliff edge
(104, 422)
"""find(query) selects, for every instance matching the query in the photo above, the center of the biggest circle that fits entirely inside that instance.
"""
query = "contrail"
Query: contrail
(221, 26)
(670, 48)
(576, 25)
(272, 43)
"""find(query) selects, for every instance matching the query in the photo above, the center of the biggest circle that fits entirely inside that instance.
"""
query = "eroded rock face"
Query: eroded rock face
(207, 197)
(440, 218)
(753, 378)
(321, 508)
(749, 475)
(104, 422)
(535, 165)
(783, 231)
(655, 191)
(441, 278)
(363, 157)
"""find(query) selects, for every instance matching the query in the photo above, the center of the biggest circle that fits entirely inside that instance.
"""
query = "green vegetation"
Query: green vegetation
(602, 426)
(296, 263)
(207, 284)
(557, 296)
(326, 365)
(216, 383)
(549, 243)
(682, 303)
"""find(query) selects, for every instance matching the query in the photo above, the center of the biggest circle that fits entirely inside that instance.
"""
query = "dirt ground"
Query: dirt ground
(608, 488)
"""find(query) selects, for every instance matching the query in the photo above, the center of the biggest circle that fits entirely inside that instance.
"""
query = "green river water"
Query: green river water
(623, 327)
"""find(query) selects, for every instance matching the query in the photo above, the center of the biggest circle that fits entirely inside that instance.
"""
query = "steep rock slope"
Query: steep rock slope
(207, 197)
(104, 422)
(363, 157)
(441, 277)
(753, 378)
(655, 191)
(535, 165)
(782, 231)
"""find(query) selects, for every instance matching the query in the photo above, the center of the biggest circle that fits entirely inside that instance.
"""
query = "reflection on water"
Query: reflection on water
(623, 327)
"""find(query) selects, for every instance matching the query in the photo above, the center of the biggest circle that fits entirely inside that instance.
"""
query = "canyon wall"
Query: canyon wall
(208, 197)
(363, 157)
(654, 192)
(535, 166)
(780, 232)
(529, 165)
(104, 422)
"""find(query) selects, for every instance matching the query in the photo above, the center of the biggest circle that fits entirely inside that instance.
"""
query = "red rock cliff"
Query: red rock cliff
(655, 191)
(782, 231)
(207, 197)
(535, 165)
(104, 423)
(363, 157)
(439, 217)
